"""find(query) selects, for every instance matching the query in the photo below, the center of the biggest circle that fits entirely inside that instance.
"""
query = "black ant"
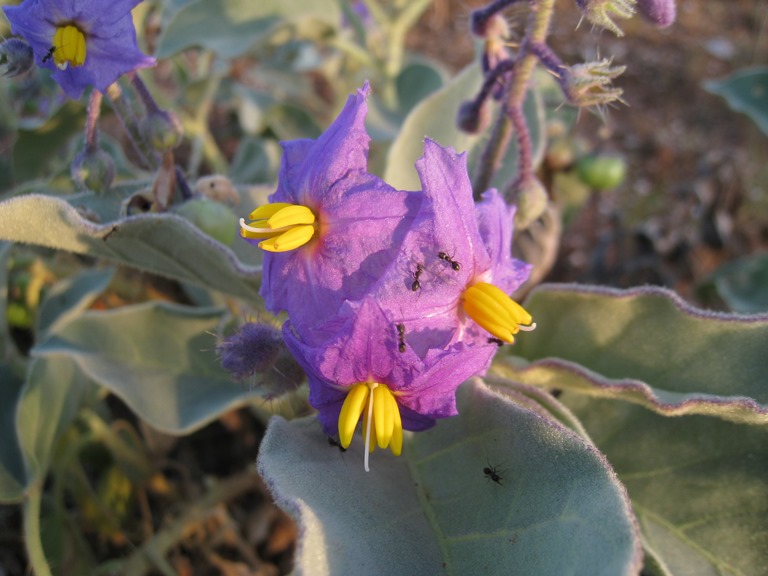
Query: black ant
(400, 336)
(333, 442)
(492, 473)
(498, 341)
(416, 284)
(48, 54)
(444, 256)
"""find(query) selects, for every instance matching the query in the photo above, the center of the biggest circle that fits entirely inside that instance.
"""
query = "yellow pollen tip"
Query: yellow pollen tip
(496, 312)
(281, 226)
(377, 406)
(68, 47)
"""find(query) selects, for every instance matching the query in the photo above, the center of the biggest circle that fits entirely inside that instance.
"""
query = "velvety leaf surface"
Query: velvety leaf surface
(647, 346)
(434, 117)
(231, 27)
(745, 91)
(12, 473)
(742, 284)
(698, 485)
(158, 358)
(164, 244)
(558, 509)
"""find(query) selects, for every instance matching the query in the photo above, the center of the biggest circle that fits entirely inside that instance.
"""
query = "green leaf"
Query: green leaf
(558, 509)
(164, 244)
(415, 82)
(435, 117)
(647, 346)
(67, 298)
(745, 91)
(12, 473)
(231, 27)
(158, 358)
(697, 485)
(741, 284)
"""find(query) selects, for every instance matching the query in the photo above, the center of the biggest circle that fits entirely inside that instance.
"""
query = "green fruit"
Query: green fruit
(602, 171)
(215, 219)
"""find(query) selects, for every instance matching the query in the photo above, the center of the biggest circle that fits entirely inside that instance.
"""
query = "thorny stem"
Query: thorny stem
(524, 64)
(131, 125)
(143, 92)
(92, 117)
(524, 151)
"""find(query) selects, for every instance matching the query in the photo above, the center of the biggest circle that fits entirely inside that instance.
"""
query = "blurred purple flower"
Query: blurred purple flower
(85, 42)
(331, 227)
(364, 371)
(660, 12)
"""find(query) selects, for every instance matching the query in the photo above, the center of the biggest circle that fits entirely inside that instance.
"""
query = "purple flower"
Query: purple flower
(660, 12)
(368, 369)
(451, 279)
(85, 42)
(331, 228)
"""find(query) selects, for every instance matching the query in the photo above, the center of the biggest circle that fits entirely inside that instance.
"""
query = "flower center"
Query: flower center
(68, 47)
(495, 311)
(282, 226)
(381, 418)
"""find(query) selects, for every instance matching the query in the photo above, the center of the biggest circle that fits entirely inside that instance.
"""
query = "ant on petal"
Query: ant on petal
(444, 256)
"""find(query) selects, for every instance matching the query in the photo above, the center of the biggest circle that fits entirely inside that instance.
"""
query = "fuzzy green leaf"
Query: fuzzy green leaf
(745, 91)
(558, 509)
(164, 244)
(12, 473)
(646, 346)
(697, 485)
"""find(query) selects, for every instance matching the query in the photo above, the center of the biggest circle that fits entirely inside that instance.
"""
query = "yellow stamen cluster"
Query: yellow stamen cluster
(381, 418)
(492, 309)
(282, 226)
(68, 47)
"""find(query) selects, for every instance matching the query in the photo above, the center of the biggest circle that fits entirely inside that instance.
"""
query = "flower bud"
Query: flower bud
(215, 219)
(93, 169)
(659, 12)
(163, 130)
(600, 12)
(589, 84)
(532, 199)
(602, 171)
(16, 57)
(473, 118)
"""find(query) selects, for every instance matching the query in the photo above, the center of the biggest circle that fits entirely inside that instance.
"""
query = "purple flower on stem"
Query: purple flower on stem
(331, 228)
(461, 255)
(366, 371)
(85, 42)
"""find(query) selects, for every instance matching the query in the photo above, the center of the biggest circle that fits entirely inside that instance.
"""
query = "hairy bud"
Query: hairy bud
(163, 130)
(659, 12)
(213, 218)
(93, 169)
(473, 117)
(16, 57)
(589, 84)
(601, 12)
(531, 200)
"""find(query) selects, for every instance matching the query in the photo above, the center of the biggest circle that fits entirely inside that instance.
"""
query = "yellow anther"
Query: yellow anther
(69, 47)
(291, 216)
(289, 240)
(382, 416)
(266, 211)
(496, 312)
(350, 413)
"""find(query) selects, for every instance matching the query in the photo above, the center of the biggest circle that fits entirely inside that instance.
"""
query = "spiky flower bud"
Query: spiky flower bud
(601, 12)
(93, 169)
(473, 117)
(16, 57)
(163, 130)
(531, 199)
(589, 84)
(659, 12)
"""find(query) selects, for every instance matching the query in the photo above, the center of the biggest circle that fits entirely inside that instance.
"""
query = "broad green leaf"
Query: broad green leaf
(164, 244)
(231, 27)
(558, 509)
(290, 122)
(415, 82)
(647, 346)
(158, 358)
(435, 117)
(12, 473)
(697, 484)
(742, 284)
(50, 399)
(256, 161)
(745, 91)
(67, 298)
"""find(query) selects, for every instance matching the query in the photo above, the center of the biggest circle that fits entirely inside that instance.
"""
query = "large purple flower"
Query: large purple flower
(368, 369)
(452, 278)
(331, 228)
(85, 42)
